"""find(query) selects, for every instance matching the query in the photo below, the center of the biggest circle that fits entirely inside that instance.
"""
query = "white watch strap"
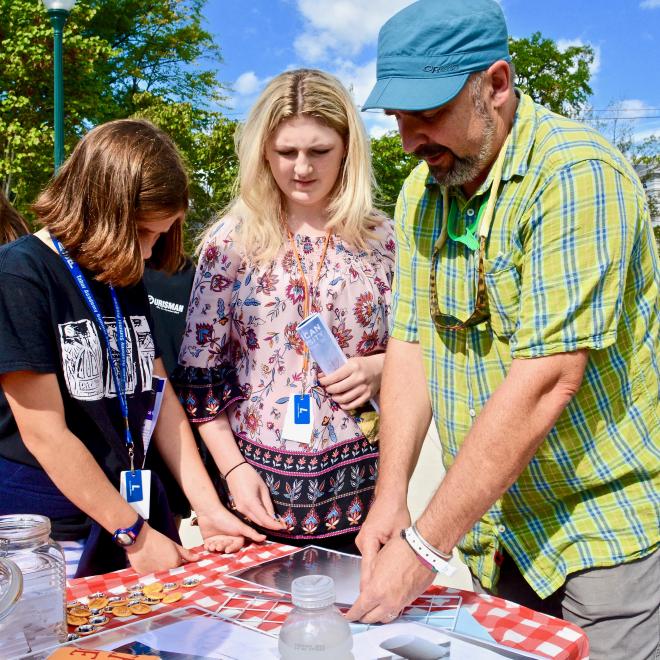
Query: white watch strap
(441, 566)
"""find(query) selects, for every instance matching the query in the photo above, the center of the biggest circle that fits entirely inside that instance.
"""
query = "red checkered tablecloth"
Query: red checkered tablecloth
(508, 623)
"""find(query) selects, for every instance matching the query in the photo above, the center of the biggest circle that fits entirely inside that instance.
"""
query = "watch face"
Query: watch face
(125, 539)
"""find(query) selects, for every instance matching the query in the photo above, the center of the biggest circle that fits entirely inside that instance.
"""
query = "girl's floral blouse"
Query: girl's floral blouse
(241, 351)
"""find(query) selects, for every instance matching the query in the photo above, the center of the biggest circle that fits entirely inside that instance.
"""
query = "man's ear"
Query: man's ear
(499, 75)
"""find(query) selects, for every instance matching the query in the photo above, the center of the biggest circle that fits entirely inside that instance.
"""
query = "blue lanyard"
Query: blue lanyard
(118, 379)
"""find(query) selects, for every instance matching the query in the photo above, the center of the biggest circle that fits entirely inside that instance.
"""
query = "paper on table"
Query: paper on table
(369, 644)
(211, 638)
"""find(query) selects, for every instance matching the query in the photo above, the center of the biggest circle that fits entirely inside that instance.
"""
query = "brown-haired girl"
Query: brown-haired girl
(71, 419)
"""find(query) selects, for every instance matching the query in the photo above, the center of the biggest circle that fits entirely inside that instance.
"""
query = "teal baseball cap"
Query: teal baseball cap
(427, 51)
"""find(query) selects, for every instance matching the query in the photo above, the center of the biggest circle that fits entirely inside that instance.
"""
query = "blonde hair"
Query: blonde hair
(257, 208)
(116, 171)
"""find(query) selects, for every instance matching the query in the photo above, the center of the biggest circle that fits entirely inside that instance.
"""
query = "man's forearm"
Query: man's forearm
(503, 440)
(405, 418)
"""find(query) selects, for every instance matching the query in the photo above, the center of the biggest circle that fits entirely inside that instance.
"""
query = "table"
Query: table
(508, 623)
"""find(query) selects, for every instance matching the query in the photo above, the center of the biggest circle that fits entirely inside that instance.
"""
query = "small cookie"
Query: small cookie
(170, 586)
(173, 597)
(76, 620)
(191, 581)
(86, 629)
(121, 611)
(80, 610)
(98, 603)
(140, 608)
(153, 588)
(98, 620)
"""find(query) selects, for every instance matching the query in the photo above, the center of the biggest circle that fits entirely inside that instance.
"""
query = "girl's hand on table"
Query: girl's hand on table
(252, 497)
(222, 531)
(153, 551)
(355, 382)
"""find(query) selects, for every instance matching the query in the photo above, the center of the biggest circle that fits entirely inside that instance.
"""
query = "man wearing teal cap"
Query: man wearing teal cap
(526, 323)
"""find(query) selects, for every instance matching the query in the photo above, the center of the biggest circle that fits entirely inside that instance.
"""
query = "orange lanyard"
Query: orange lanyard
(307, 300)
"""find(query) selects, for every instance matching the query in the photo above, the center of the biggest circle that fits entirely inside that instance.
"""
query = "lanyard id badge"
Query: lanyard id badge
(299, 419)
(135, 488)
(134, 485)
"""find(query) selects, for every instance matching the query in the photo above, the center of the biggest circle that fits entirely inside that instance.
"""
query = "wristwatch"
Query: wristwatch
(127, 537)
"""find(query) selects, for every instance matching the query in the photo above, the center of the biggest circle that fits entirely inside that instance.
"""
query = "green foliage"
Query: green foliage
(206, 140)
(121, 58)
(26, 91)
(391, 166)
(557, 79)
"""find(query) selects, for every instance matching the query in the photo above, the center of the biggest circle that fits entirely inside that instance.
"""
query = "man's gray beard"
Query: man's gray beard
(468, 168)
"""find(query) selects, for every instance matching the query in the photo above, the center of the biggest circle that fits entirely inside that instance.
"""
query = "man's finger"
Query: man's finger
(361, 607)
(369, 548)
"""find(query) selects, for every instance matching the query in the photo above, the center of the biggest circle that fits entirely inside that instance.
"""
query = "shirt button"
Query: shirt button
(470, 212)
(501, 529)
(473, 412)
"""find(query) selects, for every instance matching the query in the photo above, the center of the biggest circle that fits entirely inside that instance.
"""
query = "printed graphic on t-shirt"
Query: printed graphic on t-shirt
(82, 358)
(146, 349)
(131, 374)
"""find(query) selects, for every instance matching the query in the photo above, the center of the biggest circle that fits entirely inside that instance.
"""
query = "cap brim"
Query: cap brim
(414, 94)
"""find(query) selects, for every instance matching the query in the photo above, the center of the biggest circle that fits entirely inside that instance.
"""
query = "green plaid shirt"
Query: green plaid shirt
(570, 264)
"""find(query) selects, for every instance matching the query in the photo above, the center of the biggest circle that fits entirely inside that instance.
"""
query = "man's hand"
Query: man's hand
(222, 531)
(252, 498)
(385, 521)
(397, 578)
(153, 551)
(355, 382)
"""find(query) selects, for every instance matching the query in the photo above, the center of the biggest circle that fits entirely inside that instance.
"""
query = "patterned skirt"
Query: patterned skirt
(318, 495)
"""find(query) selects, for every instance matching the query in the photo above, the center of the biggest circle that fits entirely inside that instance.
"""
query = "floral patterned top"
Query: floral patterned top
(241, 352)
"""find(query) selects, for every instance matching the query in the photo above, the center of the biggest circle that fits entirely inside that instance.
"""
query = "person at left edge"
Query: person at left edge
(121, 196)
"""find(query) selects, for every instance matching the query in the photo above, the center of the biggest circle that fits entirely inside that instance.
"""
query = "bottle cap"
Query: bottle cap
(313, 591)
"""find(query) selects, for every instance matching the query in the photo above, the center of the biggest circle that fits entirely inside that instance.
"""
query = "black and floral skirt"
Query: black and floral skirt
(317, 494)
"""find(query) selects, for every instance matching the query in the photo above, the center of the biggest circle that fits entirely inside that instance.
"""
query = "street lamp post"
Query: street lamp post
(58, 11)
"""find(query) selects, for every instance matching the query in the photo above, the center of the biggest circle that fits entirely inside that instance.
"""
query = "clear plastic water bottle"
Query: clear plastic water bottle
(315, 629)
(32, 586)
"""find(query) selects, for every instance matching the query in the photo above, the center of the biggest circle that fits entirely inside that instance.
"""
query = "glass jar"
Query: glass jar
(32, 586)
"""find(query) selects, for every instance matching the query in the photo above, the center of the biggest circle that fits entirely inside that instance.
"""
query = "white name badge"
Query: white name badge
(299, 419)
(135, 488)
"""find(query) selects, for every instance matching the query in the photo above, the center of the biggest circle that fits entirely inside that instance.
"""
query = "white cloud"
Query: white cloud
(247, 83)
(650, 4)
(341, 26)
(563, 44)
(359, 80)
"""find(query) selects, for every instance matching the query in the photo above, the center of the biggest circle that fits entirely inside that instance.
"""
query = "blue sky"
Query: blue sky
(260, 38)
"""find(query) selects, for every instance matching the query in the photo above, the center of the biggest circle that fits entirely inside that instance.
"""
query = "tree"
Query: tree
(557, 79)
(206, 141)
(26, 91)
(121, 58)
(391, 166)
